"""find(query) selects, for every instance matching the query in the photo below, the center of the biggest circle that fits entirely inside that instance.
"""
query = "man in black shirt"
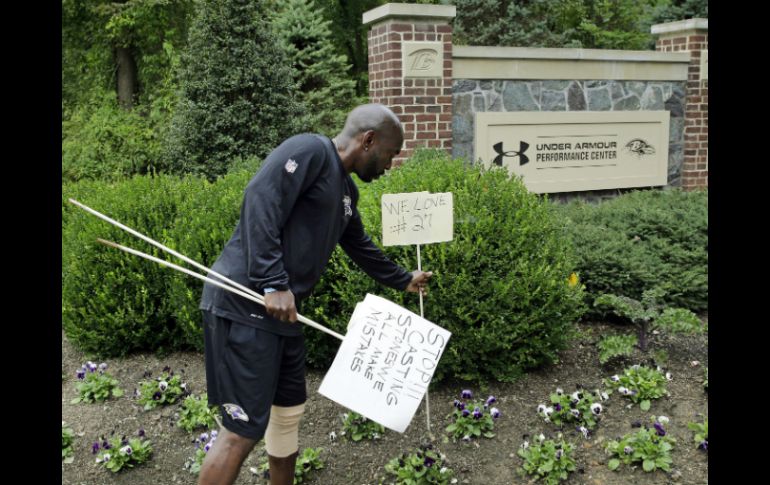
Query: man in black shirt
(296, 209)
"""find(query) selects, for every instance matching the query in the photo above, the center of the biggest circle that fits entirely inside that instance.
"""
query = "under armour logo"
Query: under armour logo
(500, 153)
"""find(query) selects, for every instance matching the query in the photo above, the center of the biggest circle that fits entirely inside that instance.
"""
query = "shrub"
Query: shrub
(101, 140)
(616, 346)
(114, 303)
(640, 240)
(501, 286)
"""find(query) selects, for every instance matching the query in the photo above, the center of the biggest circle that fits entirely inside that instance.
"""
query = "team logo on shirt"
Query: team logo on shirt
(290, 166)
(236, 412)
(348, 208)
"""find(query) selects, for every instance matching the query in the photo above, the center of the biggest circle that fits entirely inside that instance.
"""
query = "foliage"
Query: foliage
(640, 384)
(165, 389)
(119, 453)
(196, 413)
(114, 303)
(589, 24)
(307, 461)
(649, 446)
(500, 286)
(99, 138)
(549, 460)
(203, 444)
(67, 436)
(237, 91)
(642, 240)
(581, 408)
(95, 386)
(357, 427)
(647, 315)
(325, 87)
(474, 419)
(422, 467)
(701, 434)
(680, 320)
(615, 346)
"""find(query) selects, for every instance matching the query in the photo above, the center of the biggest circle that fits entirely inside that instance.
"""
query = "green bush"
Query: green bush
(500, 286)
(641, 240)
(114, 303)
(101, 140)
(209, 218)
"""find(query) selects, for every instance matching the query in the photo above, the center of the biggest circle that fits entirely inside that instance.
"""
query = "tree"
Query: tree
(238, 94)
(322, 75)
(118, 90)
(591, 24)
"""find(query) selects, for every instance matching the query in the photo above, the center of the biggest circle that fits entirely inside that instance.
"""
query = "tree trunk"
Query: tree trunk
(127, 77)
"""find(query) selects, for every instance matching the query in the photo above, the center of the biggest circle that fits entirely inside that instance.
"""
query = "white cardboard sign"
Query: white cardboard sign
(416, 218)
(385, 363)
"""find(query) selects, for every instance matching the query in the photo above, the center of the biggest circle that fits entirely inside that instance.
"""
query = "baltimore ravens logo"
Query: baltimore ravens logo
(640, 147)
(290, 166)
(236, 412)
(346, 202)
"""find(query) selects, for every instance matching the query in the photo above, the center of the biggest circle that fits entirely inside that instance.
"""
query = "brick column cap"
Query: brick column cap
(409, 11)
(680, 27)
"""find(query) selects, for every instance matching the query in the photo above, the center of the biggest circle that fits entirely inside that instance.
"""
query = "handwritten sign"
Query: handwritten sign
(385, 363)
(416, 218)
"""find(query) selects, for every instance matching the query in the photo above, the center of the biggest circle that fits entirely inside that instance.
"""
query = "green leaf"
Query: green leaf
(613, 464)
(645, 405)
(489, 434)
(117, 392)
(75, 401)
(648, 465)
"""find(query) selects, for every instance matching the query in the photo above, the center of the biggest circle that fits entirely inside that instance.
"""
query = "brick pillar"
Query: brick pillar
(410, 70)
(691, 35)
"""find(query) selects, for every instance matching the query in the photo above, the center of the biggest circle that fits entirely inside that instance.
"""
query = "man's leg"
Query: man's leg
(282, 442)
(282, 469)
(223, 461)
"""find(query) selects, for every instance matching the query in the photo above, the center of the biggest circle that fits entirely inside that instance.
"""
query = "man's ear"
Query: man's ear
(368, 139)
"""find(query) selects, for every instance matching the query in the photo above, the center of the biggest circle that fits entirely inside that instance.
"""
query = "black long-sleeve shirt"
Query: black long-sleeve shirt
(295, 210)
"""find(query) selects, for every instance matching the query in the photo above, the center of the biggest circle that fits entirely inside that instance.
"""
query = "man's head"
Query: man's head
(372, 136)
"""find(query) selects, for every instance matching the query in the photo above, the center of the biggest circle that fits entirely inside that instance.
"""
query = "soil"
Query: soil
(488, 461)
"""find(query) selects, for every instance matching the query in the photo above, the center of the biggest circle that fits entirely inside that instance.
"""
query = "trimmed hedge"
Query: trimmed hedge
(114, 303)
(642, 240)
(500, 286)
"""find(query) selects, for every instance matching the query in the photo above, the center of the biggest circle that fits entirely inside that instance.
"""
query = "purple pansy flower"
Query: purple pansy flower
(467, 394)
(429, 461)
(466, 413)
(477, 413)
(495, 413)
(95, 448)
(659, 429)
(491, 400)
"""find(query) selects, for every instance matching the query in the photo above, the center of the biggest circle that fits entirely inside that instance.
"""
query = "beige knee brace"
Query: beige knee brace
(282, 435)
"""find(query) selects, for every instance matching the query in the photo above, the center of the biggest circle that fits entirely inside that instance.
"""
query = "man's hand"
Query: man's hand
(280, 305)
(419, 282)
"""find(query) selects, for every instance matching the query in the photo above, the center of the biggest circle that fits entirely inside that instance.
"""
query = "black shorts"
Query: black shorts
(248, 370)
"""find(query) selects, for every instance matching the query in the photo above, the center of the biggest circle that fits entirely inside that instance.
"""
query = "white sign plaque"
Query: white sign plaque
(384, 365)
(416, 218)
